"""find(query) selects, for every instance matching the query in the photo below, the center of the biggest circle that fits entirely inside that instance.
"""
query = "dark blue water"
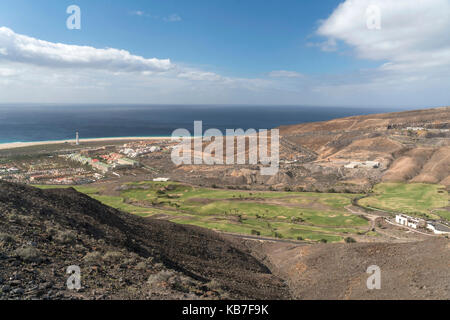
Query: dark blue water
(26, 123)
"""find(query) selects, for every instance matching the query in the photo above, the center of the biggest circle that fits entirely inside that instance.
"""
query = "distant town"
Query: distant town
(85, 166)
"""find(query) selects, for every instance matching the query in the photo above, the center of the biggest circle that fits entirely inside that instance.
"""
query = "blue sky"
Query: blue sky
(237, 41)
(239, 38)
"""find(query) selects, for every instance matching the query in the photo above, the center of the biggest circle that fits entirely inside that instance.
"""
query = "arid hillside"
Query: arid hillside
(430, 117)
(341, 155)
(411, 146)
(413, 270)
(42, 232)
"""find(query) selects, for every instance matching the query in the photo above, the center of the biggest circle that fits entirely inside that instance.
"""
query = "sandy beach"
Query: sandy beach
(13, 145)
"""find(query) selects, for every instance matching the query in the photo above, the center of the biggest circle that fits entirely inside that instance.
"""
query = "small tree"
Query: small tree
(350, 240)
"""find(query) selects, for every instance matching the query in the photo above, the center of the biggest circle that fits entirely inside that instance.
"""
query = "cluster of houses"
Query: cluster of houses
(9, 170)
(422, 129)
(139, 151)
(415, 223)
(105, 166)
(61, 175)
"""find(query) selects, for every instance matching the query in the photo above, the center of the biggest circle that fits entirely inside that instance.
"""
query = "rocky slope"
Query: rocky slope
(121, 256)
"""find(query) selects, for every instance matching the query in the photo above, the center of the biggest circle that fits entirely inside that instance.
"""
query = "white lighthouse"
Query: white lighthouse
(77, 138)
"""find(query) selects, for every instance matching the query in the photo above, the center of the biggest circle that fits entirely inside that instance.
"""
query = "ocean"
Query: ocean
(29, 123)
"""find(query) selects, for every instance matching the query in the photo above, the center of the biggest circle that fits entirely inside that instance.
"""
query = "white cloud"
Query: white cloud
(137, 13)
(172, 18)
(200, 75)
(329, 45)
(7, 72)
(19, 48)
(56, 72)
(284, 74)
(414, 34)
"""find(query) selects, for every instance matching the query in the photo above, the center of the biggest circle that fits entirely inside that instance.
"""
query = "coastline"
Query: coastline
(14, 145)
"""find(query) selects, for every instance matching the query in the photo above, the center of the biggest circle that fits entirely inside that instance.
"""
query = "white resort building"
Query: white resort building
(407, 221)
(435, 226)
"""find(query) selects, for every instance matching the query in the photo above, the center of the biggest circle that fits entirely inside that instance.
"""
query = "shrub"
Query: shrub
(296, 220)
(256, 233)
(66, 237)
(162, 276)
(113, 256)
(350, 240)
(6, 238)
(323, 240)
(29, 254)
(141, 266)
(93, 257)
(214, 285)
(278, 235)
(14, 218)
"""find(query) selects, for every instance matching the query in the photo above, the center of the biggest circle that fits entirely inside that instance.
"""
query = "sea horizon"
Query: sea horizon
(29, 123)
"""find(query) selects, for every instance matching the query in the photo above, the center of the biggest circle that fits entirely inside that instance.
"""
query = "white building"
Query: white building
(415, 128)
(133, 153)
(407, 221)
(371, 164)
(161, 179)
(352, 165)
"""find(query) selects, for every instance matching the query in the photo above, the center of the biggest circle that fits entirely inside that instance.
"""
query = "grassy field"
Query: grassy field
(417, 199)
(290, 215)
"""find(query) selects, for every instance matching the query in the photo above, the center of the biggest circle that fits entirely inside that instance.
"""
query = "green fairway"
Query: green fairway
(311, 216)
(416, 199)
(290, 215)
